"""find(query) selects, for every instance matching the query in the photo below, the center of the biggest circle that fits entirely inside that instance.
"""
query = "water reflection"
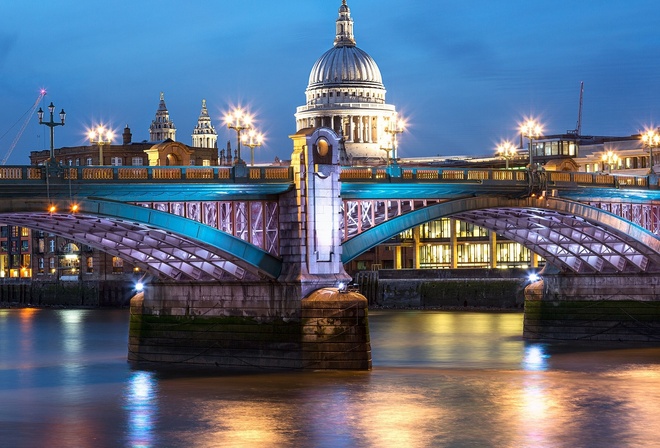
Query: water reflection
(535, 358)
(142, 408)
(439, 379)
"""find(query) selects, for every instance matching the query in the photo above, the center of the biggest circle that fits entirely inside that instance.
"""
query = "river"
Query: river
(441, 379)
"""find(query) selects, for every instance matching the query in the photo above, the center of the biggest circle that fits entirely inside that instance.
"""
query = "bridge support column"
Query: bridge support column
(623, 307)
(248, 326)
(304, 319)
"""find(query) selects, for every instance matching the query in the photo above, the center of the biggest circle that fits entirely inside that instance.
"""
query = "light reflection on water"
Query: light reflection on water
(142, 407)
(439, 379)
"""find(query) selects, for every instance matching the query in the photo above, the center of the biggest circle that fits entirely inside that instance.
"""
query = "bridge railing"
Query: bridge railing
(471, 175)
(431, 175)
(262, 174)
(564, 178)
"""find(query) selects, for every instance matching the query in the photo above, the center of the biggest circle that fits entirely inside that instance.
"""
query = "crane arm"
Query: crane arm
(42, 93)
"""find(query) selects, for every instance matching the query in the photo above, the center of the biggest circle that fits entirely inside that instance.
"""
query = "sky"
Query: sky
(463, 74)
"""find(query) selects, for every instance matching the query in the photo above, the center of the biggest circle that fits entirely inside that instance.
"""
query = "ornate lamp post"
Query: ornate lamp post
(394, 127)
(51, 124)
(386, 145)
(507, 151)
(650, 140)
(252, 140)
(609, 158)
(238, 121)
(531, 129)
(100, 136)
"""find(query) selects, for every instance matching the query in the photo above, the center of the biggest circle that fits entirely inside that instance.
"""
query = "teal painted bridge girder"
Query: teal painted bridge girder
(570, 234)
(107, 192)
(162, 243)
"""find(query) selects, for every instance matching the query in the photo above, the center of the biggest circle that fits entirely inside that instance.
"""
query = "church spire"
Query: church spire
(344, 36)
(204, 135)
(162, 127)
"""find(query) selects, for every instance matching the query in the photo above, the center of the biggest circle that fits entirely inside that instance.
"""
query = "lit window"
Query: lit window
(117, 265)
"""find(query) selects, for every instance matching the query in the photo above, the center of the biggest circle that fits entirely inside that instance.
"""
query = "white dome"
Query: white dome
(345, 65)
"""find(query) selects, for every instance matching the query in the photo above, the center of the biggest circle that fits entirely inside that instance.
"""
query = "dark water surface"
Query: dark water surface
(445, 379)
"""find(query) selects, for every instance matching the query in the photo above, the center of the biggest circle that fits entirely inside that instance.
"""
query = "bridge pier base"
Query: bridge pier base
(249, 326)
(623, 307)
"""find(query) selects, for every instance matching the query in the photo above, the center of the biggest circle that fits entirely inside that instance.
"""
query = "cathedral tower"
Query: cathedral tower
(162, 127)
(204, 135)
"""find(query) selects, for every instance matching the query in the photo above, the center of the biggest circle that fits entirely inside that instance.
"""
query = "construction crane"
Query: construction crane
(30, 113)
(578, 126)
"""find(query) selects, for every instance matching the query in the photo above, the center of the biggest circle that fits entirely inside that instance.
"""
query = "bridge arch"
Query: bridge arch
(568, 234)
(163, 244)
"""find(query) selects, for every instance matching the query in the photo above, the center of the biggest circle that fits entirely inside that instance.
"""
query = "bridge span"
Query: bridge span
(262, 248)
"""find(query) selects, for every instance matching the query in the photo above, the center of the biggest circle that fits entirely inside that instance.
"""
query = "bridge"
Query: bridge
(246, 261)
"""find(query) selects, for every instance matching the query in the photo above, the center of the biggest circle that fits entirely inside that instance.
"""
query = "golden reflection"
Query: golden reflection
(392, 418)
(251, 424)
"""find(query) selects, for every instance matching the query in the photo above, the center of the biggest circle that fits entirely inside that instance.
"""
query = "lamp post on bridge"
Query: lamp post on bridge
(507, 151)
(238, 121)
(531, 129)
(394, 127)
(386, 145)
(100, 136)
(51, 124)
(650, 140)
(252, 140)
(609, 158)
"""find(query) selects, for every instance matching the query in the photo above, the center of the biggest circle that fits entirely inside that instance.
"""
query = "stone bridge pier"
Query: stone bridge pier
(300, 320)
(599, 307)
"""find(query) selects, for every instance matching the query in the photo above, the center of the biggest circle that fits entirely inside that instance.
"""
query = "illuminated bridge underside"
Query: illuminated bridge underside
(567, 234)
(162, 244)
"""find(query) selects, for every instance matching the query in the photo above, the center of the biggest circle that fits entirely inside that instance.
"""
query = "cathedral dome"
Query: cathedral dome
(345, 64)
(342, 65)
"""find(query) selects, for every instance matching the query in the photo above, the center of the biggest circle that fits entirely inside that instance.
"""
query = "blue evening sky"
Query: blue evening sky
(463, 73)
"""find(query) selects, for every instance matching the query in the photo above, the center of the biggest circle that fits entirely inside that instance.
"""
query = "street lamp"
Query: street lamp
(51, 124)
(252, 140)
(609, 158)
(650, 140)
(531, 129)
(507, 151)
(100, 136)
(394, 127)
(386, 145)
(238, 121)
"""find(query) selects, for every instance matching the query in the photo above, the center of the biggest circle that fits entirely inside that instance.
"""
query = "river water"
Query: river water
(444, 379)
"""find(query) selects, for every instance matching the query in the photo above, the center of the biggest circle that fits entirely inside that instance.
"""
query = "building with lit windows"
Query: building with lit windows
(15, 252)
(47, 258)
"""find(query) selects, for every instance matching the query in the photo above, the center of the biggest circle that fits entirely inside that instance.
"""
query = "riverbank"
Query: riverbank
(446, 289)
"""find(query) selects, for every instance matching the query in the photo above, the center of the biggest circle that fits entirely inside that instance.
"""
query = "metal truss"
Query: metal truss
(360, 215)
(158, 252)
(565, 240)
(256, 222)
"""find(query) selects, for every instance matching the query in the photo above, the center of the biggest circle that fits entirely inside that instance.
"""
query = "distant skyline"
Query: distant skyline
(463, 74)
